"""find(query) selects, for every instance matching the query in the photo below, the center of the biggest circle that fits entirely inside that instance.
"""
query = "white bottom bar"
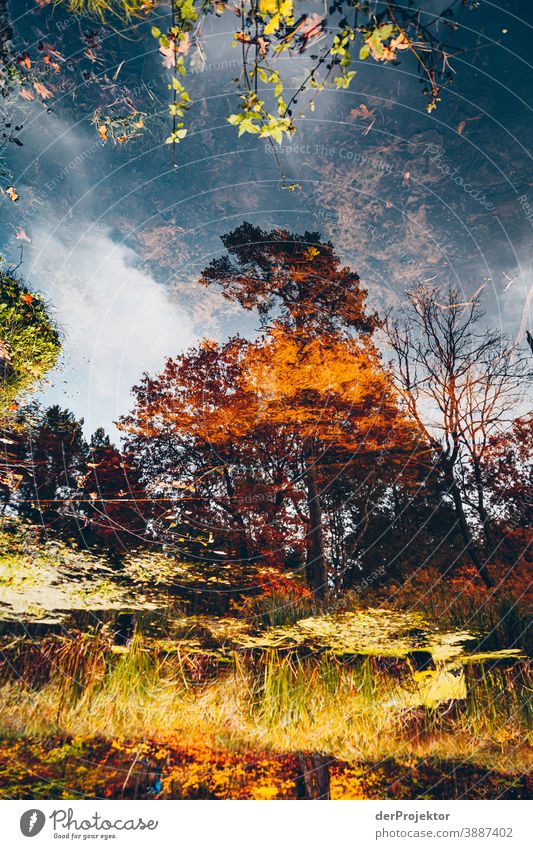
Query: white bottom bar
(267, 825)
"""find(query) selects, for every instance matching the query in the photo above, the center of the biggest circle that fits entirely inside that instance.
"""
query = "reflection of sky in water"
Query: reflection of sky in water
(119, 236)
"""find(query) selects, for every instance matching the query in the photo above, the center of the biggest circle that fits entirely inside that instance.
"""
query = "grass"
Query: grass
(124, 9)
(503, 622)
(274, 609)
(364, 710)
(219, 688)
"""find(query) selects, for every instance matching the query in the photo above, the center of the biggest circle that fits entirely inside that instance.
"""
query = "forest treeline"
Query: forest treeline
(305, 448)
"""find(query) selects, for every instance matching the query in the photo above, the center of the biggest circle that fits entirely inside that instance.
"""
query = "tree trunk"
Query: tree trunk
(313, 782)
(244, 550)
(473, 553)
(483, 514)
(317, 573)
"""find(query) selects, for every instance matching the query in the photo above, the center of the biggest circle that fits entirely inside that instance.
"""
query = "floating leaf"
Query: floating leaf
(21, 234)
(42, 90)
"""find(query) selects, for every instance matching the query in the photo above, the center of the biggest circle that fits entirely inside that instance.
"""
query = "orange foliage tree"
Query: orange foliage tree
(335, 396)
(288, 412)
(226, 489)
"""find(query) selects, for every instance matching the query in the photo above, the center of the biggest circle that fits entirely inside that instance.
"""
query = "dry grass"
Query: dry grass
(358, 712)
(124, 9)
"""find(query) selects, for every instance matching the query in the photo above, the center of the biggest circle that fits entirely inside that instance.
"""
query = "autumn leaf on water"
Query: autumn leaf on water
(26, 298)
(12, 193)
(398, 43)
(462, 124)
(21, 234)
(366, 114)
(55, 65)
(362, 111)
(169, 54)
(263, 46)
(102, 129)
(24, 60)
(184, 44)
(27, 93)
(42, 90)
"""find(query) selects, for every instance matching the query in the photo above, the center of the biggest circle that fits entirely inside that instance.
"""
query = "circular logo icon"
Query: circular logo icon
(32, 822)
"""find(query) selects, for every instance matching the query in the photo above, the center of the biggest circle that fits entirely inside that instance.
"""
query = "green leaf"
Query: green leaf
(173, 138)
(385, 31)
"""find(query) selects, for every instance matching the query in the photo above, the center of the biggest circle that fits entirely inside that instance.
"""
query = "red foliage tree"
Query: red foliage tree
(247, 437)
